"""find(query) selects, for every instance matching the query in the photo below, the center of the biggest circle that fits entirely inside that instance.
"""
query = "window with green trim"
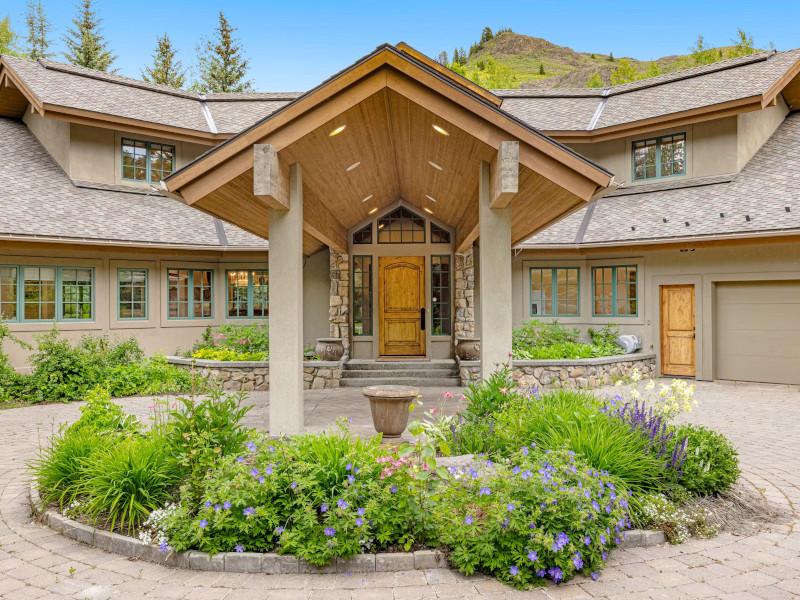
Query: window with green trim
(440, 295)
(248, 294)
(132, 294)
(34, 293)
(555, 291)
(363, 235)
(362, 295)
(439, 235)
(146, 161)
(615, 291)
(401, 226)
(189, 294)
(655, 158)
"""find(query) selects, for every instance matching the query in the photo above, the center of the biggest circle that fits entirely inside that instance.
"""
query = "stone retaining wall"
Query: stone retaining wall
(584, 373)
(254, 375)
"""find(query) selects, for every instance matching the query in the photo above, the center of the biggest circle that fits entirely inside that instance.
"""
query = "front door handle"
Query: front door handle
(422, 319)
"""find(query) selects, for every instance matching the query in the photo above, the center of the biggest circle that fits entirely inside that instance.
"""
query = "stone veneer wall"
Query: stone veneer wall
(585, 373)
(465, 294)
(254, 376)
(340, 297)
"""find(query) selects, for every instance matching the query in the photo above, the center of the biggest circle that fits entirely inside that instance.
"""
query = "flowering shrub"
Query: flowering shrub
(540, 515)
(711, 462)
(656, 511)
(668, 402)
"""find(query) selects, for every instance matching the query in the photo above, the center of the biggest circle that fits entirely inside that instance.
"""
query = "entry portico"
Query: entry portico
(402, 145)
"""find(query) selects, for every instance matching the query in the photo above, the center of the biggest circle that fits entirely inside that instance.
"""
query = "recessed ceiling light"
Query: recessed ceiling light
(431, 198)
(353, 166)
(428, 210)
(434, 165)
(368, 197)
(339, 129)
(373, 211)
(381, 226)
(440, 130)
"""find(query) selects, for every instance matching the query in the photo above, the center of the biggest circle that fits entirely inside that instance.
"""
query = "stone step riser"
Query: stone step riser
(413, 381)
(398, 373)
(391, 366)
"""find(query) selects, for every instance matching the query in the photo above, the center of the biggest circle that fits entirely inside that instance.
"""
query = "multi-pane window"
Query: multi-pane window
(8, 293)
(439, 235)
(146, 161)
(659, 157)
(362, 295)
(76, 294)
(401, 226)
(248, 294)
(615, 291)
(132, 293)
(46, 293)
(440, 295)
(363, 235)
(555, 291)
(189, 294)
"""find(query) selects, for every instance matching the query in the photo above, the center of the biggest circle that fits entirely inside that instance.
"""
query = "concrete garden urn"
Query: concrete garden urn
(389, 405)
(468, 348)
(330, 348)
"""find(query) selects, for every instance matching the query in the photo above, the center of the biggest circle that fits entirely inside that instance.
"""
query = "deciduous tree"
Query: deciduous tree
(9, 40)
(595, 81)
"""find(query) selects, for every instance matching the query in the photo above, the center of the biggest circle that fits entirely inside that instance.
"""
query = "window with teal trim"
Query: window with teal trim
(555, 291)
(659, 157)
(362, 295)
(439, 235)
(440, 295)
(189, 294)
(401, 226)
(8, 293)
(132, 294)
(146, 161)
(615, 291)
(29, 293)
(248, 294)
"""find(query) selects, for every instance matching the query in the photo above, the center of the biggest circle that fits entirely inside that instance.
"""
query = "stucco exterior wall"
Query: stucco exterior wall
(756, 127)
(701, 265)
(316, 290)
(52, 134)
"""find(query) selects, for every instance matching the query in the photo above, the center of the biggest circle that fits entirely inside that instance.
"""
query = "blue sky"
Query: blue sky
(293, 46)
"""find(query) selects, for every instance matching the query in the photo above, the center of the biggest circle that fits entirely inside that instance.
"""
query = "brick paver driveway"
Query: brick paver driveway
(763, 420)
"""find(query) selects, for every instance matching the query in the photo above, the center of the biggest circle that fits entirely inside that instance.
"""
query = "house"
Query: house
(407, 207)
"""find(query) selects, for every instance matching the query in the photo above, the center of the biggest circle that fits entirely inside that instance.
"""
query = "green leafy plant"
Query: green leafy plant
(100, 415)
(712, 463)
(657, 511)
(565, 350)
(229, 354)
(487, 396)
(536, 333)
(149, 377)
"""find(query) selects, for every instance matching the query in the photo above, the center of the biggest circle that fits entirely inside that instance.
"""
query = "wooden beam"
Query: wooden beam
(468, 228)
(320, 222)
(270, 177)
(504, 175)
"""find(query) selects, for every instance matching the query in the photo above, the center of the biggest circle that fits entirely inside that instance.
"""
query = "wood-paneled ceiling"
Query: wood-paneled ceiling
(389, 150)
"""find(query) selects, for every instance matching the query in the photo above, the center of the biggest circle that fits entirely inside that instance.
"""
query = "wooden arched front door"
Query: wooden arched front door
(401, 304)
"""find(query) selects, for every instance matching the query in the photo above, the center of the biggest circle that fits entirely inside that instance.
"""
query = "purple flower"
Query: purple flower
(524, 450)
(342, 504)
(514, 571)
(163, 546)
(279, 530)
(351, 478)
(359, 522)
(251, 446)
(526, 474)
(208, 504)
(323, 508)
(516, 470)
(294, 485)
(604, 556)
(268, 470)
(271, 448)
(239, 548)
(468, 519)
(249, 511)
(393, 489)
(261, 480)
(594, 575)
(473, 473)
(240, 459)
(510, 506)
(577, 561)
(217, 507)
(533, 555)
(556, 573)
(587, 540)
(541, 573)
(349, 466)
(561, 540)
(330, 531)
(254, 472)
(203, 523)
(361, 512)
(485, 491)
(602, 540)
(226, 505)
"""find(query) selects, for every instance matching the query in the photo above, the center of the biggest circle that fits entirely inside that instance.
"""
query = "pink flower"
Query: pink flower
(448, 395)
(433, 411)
(463, 398)
(504, 391)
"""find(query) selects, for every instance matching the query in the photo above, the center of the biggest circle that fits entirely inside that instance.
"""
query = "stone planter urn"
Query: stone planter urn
(330, 348)
(468, 348)
(389, 405)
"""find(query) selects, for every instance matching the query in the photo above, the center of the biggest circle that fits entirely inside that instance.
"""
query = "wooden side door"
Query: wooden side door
(401, 298)
(677, 330)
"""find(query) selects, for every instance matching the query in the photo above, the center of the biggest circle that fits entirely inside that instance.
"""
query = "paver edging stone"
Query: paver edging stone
(266, 562)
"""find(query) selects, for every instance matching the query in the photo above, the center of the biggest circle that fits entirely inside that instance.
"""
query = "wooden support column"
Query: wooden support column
(494, 277)
(286, 310)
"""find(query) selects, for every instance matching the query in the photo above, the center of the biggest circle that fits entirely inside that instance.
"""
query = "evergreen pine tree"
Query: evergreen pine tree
(222, 66)
(593, 57)
(165, 69)
(462, 57)
(9, 40)
(38, 28)
(611, 57)
(456, 56)
(86, 47)
(541, 69)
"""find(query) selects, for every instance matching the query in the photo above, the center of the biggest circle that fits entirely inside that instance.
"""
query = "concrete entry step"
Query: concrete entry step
(415, 381)
(395, 373)
(382, 365)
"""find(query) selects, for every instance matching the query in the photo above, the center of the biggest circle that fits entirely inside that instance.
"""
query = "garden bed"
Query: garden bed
(254, 375)
(582, 373)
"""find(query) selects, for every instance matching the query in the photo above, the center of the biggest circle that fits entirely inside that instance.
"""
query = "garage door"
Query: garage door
(758, 331)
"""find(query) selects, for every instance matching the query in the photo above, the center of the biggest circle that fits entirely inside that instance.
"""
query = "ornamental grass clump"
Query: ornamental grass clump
(540, 515)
